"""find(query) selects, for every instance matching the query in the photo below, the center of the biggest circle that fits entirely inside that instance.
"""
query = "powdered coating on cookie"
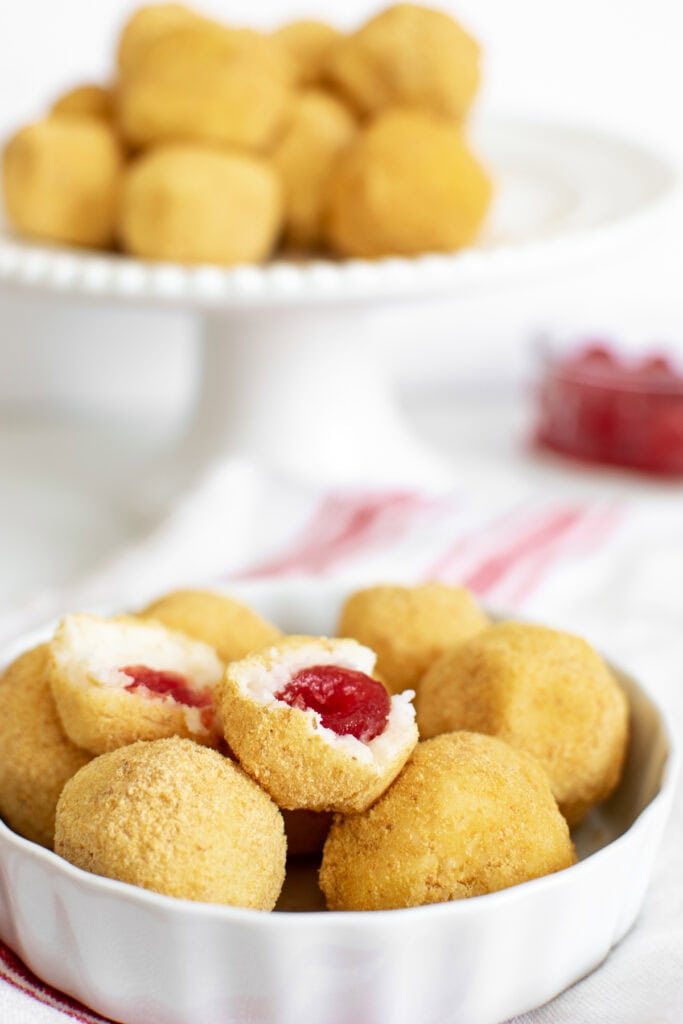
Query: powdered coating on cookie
(176, 818)
(543, 691)
(468, 815)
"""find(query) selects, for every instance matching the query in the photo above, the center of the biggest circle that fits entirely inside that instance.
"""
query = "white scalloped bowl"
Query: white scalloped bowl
(142, 958)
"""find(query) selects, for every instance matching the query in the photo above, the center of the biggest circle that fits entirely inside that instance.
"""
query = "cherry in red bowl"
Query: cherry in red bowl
(602, 406)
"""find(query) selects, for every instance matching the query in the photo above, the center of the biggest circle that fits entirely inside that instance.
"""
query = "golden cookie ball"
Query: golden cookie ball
(468, 815)
(61, 180)
(542, 691)
(309, 42)
(197, 205)
(144, 26)
(85, 101)
(119, 680)
(175, 818)
(407, 55)
(286, 747)
(202, 82)
(228, 626)
(410, 627)
(36, 757)
(319, 130)
(408, 184)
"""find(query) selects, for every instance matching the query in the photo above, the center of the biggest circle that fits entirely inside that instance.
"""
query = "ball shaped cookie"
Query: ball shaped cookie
(410, 627)
(61, 181)
(37, 759)
(205, 83)
(468, 815)
(408, 184)
(306, 720)
(116, 681)
(200, 206)
(144, 26)
(319, 130)
(309, 43)
(231, 628)
(407, 56)
(542, 691)
(85, 101)
(176, 818)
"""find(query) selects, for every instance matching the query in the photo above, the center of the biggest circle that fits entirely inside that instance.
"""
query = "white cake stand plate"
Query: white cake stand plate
(291, 370)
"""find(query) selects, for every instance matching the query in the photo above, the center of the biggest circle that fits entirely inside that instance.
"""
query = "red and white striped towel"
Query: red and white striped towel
(611, 571)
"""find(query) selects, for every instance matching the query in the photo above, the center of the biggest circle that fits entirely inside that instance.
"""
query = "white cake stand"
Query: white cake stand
(291, 374)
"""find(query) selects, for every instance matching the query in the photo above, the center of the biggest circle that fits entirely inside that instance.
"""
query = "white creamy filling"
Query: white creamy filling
(260, 679)
(88, 649)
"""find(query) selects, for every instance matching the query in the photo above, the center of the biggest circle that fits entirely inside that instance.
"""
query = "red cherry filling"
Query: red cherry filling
(167, 684)
(348, 702)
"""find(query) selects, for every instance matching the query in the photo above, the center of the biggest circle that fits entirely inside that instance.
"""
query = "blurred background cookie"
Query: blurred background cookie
(198, 205)
(61, 180)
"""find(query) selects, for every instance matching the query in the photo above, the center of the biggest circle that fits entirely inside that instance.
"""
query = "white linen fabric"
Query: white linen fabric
(611, 569)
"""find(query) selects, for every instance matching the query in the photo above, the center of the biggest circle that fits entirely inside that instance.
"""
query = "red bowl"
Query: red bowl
(601, 406)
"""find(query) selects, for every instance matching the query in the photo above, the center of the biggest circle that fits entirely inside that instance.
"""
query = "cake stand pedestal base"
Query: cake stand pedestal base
(305, 393)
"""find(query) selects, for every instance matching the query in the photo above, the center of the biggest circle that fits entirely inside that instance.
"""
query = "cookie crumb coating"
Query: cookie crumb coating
(37, 759)
(175, 818)
(410, 627)
(407, 55)
(468, 815)
(288, 751)
(228, 626)
(408, 184)
(61, 179)
(99, 712)
(543, 691)
(196, 204)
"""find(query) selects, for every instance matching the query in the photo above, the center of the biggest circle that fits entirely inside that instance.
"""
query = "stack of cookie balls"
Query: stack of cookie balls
(192, 749)
(217, 144)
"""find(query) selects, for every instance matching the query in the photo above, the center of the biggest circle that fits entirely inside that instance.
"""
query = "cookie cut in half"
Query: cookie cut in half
(119, 680)
(306, 719)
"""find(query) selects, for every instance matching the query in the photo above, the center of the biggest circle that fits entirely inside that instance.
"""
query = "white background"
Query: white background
(606, 62)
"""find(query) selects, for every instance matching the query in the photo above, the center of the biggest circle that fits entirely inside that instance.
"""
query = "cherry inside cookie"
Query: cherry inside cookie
(350, 703)
(167, 684)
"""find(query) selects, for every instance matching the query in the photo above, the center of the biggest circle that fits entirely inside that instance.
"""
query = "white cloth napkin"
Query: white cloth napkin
(612, 570)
